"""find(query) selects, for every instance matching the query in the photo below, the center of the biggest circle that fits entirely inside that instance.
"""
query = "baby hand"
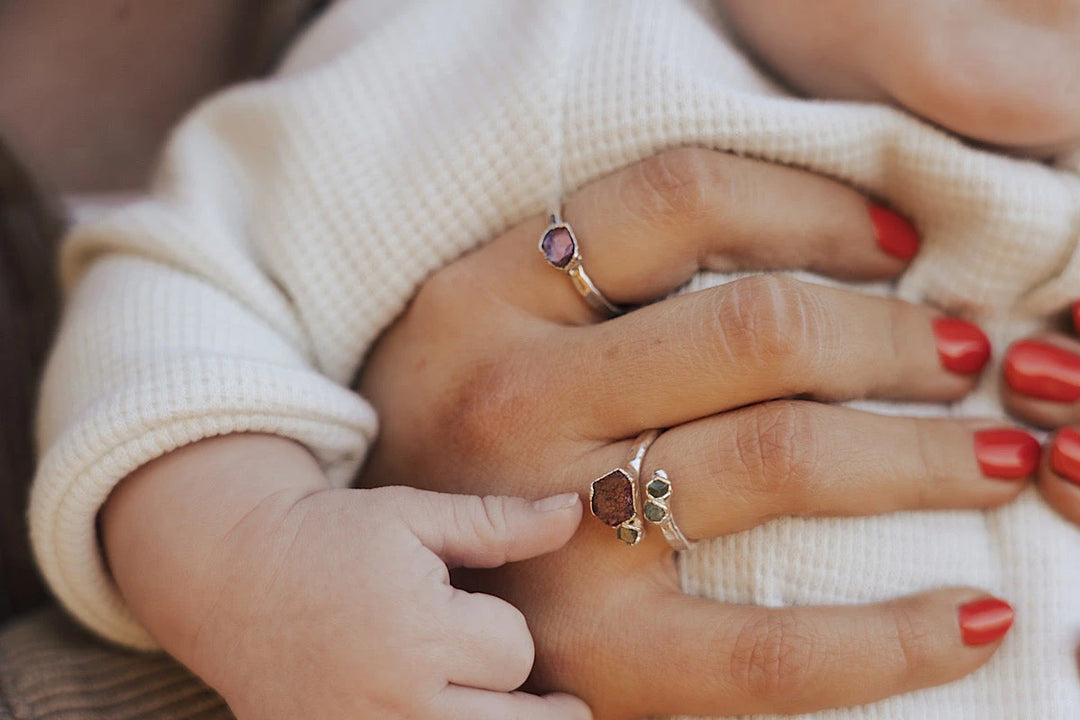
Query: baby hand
(338, 603)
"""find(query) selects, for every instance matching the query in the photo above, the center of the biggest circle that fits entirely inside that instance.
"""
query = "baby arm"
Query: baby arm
(294, 599)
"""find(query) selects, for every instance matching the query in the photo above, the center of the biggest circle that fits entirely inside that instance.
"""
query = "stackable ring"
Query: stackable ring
(560, 249)
(657, 510)
(613, 498)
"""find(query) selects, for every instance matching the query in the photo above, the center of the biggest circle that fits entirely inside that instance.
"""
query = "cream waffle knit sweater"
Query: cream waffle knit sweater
(293, 219)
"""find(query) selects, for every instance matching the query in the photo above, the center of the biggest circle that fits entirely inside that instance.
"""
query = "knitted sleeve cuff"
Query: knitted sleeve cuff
(190, 400)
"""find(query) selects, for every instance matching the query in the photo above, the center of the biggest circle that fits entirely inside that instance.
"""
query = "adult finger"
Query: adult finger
(462, 703)
(1042, 380)
(645, 230)
(472, 531)
(491, 647)
(745, 660)
(739, 469)
(755, 339)
(1059, 475)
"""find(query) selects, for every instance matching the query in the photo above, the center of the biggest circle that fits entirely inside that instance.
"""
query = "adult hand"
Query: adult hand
(295, 600)
(1042, 386)
(499, 378)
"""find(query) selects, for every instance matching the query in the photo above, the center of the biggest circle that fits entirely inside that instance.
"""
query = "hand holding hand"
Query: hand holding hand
(326, 603)
(500, 379)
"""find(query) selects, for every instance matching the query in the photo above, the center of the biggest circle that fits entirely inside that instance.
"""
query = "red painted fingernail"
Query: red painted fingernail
(1006, 453)
(1076, 316)
(895, 235)
(962, 346)
(984, 621)
(1043, 371)
(1065, 454)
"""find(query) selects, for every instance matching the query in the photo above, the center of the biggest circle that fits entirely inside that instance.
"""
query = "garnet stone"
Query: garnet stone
(613, 498)
(558, 246)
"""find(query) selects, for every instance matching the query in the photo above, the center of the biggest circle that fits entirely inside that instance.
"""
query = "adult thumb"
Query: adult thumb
(484, 532)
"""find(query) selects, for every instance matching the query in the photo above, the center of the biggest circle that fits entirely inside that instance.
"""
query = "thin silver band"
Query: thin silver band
(658, 496)
(580, 279)
(642, 443)
(633, 469)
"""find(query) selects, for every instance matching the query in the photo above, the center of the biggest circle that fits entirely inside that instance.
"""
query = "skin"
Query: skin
(502, 408)
(1003, 72)
(89, 113)
(252, 527)
(766, 657)
(305, 601)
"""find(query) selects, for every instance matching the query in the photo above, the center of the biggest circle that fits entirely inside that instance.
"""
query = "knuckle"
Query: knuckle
(912, 644)
(926, 457)
(675, 186)
(521, 653)
(777, 446)
(772, 321)
(773, 658)
(484, 522)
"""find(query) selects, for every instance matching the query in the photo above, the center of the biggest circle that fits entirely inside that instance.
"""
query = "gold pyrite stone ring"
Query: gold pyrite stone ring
(560, 249)
(613, 498)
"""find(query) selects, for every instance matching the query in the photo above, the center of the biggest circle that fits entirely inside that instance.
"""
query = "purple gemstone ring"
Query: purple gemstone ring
(560, 249)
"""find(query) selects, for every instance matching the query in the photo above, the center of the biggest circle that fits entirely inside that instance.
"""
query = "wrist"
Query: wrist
(175, 532)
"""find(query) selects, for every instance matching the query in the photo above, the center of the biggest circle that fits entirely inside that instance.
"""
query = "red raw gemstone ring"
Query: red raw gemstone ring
(613, 497)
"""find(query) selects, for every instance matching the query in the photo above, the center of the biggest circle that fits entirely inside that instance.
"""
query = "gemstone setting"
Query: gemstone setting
(612, 498)
(558, 246)
(654, 512)
(659, 487)
(629, 534)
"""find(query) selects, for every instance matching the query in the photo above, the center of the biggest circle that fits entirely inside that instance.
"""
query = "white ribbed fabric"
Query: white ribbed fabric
(294, 218)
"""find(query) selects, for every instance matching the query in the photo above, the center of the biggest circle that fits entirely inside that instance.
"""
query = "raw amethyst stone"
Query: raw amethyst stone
(613, 498)
(558, 247)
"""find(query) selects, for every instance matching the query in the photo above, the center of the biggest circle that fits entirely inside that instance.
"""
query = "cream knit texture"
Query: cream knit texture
(293, 219)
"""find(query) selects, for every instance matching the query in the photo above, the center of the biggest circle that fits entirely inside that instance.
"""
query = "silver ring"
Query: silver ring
(613, 498)
(657, 510)
(560, 249)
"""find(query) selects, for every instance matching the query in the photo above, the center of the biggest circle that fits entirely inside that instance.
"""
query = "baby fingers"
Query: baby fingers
(459, 703)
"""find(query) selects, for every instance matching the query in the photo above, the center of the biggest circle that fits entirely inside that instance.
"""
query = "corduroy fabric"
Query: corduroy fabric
(52, 669)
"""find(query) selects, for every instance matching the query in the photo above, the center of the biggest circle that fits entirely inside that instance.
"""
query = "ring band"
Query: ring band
(613, 498)
(657, 510)
(560, 249)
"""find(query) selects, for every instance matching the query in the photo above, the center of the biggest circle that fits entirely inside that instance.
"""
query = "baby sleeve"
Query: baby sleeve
(173, 333)
(289, 224)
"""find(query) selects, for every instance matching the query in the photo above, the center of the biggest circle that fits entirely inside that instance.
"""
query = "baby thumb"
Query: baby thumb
(484, 532)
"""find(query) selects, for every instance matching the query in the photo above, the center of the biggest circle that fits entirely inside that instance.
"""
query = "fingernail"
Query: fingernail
(1065, 454)
(1006, 453)
(895, 235)
(984, 621)
(962, 346)
(1043, 371)
(556, 502)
